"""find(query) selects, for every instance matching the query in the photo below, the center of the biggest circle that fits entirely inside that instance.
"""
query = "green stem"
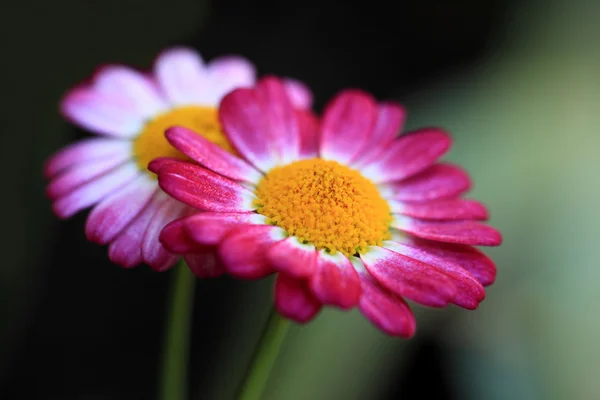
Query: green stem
(174, 383)
(264, 358)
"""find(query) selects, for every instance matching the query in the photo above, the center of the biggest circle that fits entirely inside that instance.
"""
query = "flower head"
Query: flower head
(345, 212)
(131, 110)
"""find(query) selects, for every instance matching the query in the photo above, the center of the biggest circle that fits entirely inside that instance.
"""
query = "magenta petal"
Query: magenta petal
(204, 264)
(211, 155)
(243, 251)
(209, 228)
(159, 162)
(204, 189)
(175, 238)
(153, 252)
(293, 258)
(436, 182)
(116, 211)
(299, 94)
(452, 209)
(409, 278)
(246, 128)
(388, 124)
(84, 151)
(465, 232)
(347, 123)
(309, 133)
(335, 282)
(468, 257)
(388, 312)
(280, 119)
(408, 155)
(294, 300)
(126, 249)
(469, 291)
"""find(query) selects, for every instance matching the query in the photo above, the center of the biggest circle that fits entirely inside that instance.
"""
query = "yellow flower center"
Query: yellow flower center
(325, 203)
(151, 142)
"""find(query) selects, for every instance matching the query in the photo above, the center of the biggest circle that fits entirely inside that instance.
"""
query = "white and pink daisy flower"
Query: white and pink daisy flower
(131, 110)
(346, 212)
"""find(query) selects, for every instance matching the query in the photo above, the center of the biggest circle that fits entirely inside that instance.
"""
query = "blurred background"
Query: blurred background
(517, 83)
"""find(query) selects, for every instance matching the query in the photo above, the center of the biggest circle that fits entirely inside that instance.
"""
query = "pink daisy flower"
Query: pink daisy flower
(353, 216)
(131, 110)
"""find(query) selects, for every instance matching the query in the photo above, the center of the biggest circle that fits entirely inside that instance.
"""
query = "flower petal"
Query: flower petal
(388, 123)
(228, 73)
(101, 113)
(308, 125)
(79, 174)
(452, 209)
(182, 76)
(386, 311)
(242, 120)
(126, 249)
(211, 155)
(468, 257)
(204, 189)
(335, 282)
(91, 192)
(116, 211)
(153, 252)
(347, 123)
(293, 258)
(204, 264)
(84, 151)
(439, 181)
(408, 155)
(280, 119)
(176, 239)
(465, 232)
(243, 250)
(294, 300)
(408, 277)
(469, 291)
(299, 94)
(209, 228)
(133, 86)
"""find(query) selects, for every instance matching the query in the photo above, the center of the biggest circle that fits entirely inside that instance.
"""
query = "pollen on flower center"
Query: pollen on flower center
(325, 203)
(151, 142)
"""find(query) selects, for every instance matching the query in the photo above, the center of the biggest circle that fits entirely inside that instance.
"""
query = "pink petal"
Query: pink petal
(347, 123)
(92, 192)
(439, 181)
(204, 189)
(469, 291)
(408, 277)
(209, 228)
(82, 173)
(101, 113)
(159, 162)
(293, 258)
(452, 209)
(294, 300)
(388, 124)
(228, 73)
(126, 249)
(204, 264)
(133, 86)
(175, 238)
(211, 155)
(335, 282)
(408, 155)
(465, 232)
(84, 151)
(299, 94)
(243, 250)
(308, 125)
(246, 128)
(468, 257)
(280, 119)
(153, 252)
(386, 311)
(183, 77)
(116, 211)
